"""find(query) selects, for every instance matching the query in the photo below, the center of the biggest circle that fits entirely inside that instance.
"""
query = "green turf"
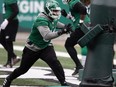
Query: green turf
(31, 82)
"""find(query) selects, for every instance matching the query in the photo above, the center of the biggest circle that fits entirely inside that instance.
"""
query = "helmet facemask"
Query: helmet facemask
(55, 13)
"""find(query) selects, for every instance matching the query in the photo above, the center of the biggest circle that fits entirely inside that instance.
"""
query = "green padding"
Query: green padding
(84, 51)
(100, 56)
(114, 74)
(81, 74)
(84, 28)
(90, 35)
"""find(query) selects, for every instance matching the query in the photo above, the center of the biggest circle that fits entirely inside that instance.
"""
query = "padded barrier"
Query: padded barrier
(93, 32)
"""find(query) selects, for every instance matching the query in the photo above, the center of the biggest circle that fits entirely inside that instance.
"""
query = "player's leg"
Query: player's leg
(69, 45)
(10, 35)
(50, 58)
(10, 54)
(28, 59)
(4, 44)
(8, 45)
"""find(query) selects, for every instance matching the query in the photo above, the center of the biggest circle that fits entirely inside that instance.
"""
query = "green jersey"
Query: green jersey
(75, 14)
(35, 35)
(7, 10)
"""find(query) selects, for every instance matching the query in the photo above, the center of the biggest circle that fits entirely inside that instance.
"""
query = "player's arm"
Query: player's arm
(60, 25)
(46, 33)
(67, 27)
(15, 11)
(80, 8)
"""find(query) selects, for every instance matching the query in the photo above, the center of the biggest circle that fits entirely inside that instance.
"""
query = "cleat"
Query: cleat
(75, 73)
(8, 65)
(6, 83)
(64, 84)
(114, 66)
(15, 60)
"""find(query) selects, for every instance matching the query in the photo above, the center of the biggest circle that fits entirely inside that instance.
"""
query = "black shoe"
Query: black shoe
(64, 84)
(6, 83)
(76, 71)
(114, 66)
(8, 65)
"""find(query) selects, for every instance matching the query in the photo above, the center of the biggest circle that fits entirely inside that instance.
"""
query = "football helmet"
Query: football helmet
(52, 9)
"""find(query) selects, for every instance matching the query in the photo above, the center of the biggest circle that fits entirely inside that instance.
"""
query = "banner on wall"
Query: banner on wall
(29, 10)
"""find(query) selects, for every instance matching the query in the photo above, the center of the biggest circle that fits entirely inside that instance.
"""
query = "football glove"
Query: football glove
(66, 29)
(4, 24)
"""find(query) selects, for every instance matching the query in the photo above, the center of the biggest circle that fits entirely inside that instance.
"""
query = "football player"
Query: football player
(79, 13)
(39, 43)
(8, 30)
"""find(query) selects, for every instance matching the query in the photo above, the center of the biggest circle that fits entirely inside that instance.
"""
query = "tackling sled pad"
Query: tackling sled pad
(90, 35)
(84, 28)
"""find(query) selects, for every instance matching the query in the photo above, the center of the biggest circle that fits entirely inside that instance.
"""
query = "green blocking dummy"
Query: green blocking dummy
(98, 67)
